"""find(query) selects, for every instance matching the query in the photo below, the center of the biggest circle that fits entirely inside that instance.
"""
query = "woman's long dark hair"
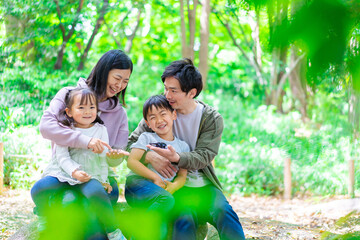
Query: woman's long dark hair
(98, 78)
(86, 96)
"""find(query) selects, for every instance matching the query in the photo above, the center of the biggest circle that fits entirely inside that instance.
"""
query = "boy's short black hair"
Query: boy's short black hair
(186, 73)
(158, 101)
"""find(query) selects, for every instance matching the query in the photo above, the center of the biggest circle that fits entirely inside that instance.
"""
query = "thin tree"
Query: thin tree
(99, 21)
(204, 39)
(65, 37)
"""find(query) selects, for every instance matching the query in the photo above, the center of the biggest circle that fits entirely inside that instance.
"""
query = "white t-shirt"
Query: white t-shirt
(148, 137)
(186, 127)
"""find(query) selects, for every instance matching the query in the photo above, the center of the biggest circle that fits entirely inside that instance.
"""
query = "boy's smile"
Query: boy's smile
(161, 120)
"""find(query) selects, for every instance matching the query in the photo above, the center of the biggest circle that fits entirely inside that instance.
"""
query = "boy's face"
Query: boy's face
(160, 120)
(178, 99)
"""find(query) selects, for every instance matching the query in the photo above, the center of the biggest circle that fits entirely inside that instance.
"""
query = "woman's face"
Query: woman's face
(118, 79)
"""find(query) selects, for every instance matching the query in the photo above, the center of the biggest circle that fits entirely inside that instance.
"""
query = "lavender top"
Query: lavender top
(111, 112)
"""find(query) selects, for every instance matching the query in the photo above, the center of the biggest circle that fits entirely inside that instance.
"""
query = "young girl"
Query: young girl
(82, 168)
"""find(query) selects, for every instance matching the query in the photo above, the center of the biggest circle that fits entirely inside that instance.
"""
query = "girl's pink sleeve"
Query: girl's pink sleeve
(52, 130)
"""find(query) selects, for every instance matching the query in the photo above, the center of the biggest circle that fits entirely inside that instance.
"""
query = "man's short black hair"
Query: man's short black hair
(158, 101)
(186, 73)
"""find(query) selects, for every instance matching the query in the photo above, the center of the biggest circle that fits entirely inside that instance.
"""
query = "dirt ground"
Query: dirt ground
(261, 217)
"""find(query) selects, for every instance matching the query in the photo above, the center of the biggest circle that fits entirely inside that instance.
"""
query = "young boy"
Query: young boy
(145, 187)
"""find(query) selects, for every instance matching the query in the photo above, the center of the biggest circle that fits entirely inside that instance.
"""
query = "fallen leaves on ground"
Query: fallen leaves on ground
(261, 217)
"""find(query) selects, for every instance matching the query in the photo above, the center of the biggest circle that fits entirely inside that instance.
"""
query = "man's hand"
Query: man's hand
(81, 176)
(97, 145)
(161, 164)
(117, 153)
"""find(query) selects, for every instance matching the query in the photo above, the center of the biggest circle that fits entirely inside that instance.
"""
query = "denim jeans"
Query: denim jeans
(204, 204)
(46, 190)
(157, 203)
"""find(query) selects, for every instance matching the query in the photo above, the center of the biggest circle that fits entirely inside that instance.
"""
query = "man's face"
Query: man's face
(177, 98)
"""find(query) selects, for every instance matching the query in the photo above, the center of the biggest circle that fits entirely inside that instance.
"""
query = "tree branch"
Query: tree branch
(61, 26)
(286, 75)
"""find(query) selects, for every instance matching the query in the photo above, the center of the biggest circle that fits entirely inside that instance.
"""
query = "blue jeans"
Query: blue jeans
(156, 203)
(204, 204)
(48, 188)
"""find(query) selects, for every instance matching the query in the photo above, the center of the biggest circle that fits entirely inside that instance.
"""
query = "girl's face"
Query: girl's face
(83, 114)
(118, 79)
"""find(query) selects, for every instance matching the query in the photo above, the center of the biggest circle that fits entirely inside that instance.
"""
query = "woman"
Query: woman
(108, 80)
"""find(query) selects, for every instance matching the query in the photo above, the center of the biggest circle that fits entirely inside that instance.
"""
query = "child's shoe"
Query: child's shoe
(116, 235)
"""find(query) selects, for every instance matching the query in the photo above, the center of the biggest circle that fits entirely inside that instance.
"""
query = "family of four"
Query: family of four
(171, 153)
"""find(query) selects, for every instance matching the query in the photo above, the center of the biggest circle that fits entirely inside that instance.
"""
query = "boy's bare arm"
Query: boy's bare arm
(178, 182)
(140, 169)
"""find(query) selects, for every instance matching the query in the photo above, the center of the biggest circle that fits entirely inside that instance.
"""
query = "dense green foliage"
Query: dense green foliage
(304, 116)
(255, 141)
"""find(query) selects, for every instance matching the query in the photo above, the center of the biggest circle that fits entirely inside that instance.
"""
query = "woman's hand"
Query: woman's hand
(117, 153)
(115, 156)
(81, 176)
(97, 145)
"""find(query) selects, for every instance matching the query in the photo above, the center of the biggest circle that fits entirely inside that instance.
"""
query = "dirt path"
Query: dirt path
(261, 217)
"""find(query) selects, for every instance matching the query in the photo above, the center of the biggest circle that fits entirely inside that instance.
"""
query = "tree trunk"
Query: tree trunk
(60, 55)
(354, 111)
(99, 21)
(65, 37)
(184, 48)
(279, 54)
(188, 46)
(204, 40)
(297, 80)
(192, 28)
(256, 36)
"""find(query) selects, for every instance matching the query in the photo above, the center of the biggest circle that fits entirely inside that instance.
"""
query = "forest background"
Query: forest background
(284, 74)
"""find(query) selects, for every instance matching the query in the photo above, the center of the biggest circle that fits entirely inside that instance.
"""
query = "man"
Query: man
(201, 199)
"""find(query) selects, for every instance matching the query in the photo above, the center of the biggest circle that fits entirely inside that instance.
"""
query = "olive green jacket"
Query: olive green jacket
(207, 145)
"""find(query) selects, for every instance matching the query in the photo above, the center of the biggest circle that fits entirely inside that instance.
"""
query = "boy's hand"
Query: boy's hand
(97, 145)
(117, 153)
(171, 187)
(81, 176)
(158, 181)
(107, 187)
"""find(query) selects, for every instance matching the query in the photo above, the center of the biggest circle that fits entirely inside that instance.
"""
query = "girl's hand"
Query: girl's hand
(117, 153)
(158, 181)
(81, 176)
(107, 187)
(97, 145)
